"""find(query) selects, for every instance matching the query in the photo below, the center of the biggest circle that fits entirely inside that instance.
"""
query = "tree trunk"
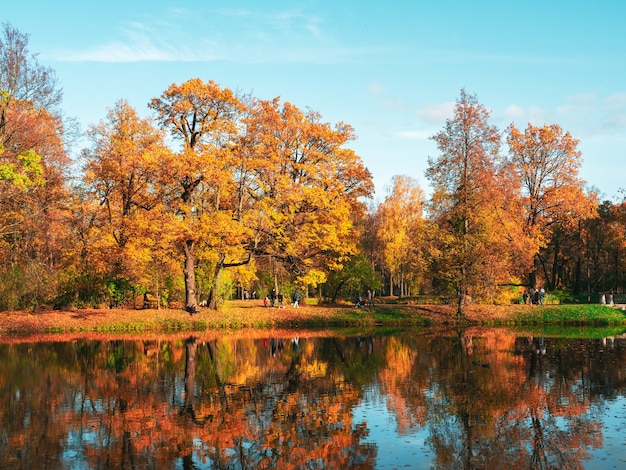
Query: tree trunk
(190, 278)
(577, 277)
(460, 303)
(336, 293)
(217, 276)
(212, 303)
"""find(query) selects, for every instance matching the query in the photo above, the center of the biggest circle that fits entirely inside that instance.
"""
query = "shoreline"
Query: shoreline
(242, 315)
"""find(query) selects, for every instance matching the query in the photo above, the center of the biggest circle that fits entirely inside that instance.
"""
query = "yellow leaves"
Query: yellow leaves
(25, 172)
(313, 277)
(400, 226)
(308, 185)
(247, 177)
(198, 113)
(126, 169)
(219, 233)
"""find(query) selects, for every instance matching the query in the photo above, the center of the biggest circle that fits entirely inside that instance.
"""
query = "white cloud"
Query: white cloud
(590, 114)
(143, 42)
(237, 35)
(376, 88)
(437, 113)
(521, 116)
(515, 112)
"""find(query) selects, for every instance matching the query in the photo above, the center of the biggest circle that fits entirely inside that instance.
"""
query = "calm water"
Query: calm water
(473, 399)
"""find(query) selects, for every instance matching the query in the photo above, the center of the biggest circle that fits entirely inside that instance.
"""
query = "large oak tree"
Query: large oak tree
(202, 118)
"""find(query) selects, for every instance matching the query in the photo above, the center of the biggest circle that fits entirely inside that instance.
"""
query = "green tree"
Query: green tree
(355, 275)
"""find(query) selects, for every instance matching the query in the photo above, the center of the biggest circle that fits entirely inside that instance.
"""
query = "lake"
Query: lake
(474, 398)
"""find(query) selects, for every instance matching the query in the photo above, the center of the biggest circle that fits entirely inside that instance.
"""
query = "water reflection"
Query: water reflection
(447, 399)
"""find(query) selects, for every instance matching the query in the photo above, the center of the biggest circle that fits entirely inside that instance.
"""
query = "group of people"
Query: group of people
(248, 296)
(534, 296)
(358, 300)
(277, 299)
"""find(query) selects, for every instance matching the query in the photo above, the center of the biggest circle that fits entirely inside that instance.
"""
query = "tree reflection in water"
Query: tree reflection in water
(482, 399)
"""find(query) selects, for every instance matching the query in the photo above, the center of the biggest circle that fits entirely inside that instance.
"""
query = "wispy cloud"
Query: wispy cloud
(585, 115)
(522, 115)
(376, 88)
(436, 113)
(237, 35)
(594, 114)
(138, 49)
(144, 41)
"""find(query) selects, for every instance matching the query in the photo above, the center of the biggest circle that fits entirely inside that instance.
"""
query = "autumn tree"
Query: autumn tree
(309, 187)
(546, 161)
(28, 91)
(201, 117)
(601, 264)
(402, 230)
(125, 170)
(472, 249)
(33, 166)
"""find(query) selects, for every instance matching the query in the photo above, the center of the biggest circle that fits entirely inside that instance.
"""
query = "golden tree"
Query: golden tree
(202, 118)
(472, 248)
(402, 230)
(309, 187)
(125, 170)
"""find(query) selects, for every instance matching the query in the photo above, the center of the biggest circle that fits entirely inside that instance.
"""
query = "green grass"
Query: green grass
(594, 315)
(544, 318)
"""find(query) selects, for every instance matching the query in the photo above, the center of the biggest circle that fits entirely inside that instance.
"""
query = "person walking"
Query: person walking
(296, 299)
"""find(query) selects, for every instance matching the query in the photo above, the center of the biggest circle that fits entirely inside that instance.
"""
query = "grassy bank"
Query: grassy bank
(592, 315)
(239, 315)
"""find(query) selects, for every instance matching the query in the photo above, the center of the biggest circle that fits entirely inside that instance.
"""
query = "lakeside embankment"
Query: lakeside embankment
(252, 315)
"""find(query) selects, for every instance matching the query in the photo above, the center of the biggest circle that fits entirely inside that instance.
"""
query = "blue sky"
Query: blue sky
(392, 70)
